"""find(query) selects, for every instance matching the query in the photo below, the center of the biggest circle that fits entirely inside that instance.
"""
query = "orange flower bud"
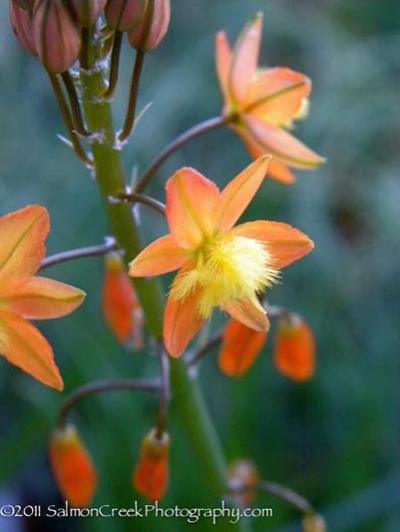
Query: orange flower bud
(121, 307)
(87, 12)
(241, 473)
(294, 353)
(57, 36)
(313, 523)
(152, 27)
(123, 15)
(72, 467)
(240, 347)
(21, 23)
(150, 476)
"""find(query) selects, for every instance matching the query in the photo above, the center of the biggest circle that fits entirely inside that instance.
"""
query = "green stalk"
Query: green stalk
(187, 399)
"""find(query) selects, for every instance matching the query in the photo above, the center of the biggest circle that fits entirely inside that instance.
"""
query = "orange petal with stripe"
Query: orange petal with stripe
(244, 58)
(223, 57)
(161, 256)
(25, 347)
(249, 313)
(294, 352)
(22, 236)
(281, 144)
(41, 299)
(192, 207)
(239, 192)
(285, 243)
(240, 347)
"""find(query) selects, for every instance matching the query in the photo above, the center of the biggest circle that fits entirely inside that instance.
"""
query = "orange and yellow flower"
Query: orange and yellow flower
(24, 296)
(264, 103)
(220, 265)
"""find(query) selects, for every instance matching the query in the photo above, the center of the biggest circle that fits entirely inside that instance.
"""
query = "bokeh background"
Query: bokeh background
(335, 438)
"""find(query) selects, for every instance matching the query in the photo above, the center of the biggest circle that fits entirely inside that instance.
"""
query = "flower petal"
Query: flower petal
(280, 172)
(285, 243)
(240, 347)
(161, 256)
(25, 347)
(281, 144)
(277, 95)
(248, 312)
(238, 193)
(223, 56)
(192, 207)
(245, 58)
(181, 322)
(42, 299)
(22, 236)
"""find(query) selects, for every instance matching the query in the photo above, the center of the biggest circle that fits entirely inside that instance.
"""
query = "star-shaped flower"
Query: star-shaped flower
(220, 265)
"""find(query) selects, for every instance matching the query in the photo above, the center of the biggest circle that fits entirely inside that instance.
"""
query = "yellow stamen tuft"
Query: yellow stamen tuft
(226, 268)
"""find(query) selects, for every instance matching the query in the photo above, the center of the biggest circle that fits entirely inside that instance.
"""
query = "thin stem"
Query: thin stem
(213, 342)
(65, 113)
(130, 114)
(145, 200)
(114, 66)
(108, 385)
(75, 106)
(183, 138)
(164, 392)
(285, 494)
(84, 53)
(91, 251)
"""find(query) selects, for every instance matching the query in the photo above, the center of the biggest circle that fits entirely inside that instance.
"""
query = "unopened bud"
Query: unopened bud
(57, 35)
(124, 15)
(150, 477)
(21, 22)
(87, 12)
(294, 351)
(313, 523)
(121, 307)
(242, 479)
(72, 467)
(152, 27)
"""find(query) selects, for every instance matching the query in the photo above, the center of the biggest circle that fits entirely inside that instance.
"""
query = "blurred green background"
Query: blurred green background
(334, 439)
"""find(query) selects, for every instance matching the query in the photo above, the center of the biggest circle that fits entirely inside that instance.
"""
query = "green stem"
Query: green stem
(187, 400)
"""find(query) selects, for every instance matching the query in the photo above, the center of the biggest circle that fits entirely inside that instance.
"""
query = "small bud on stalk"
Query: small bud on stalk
(150, 477)
(87, 12)
(152, 26)
(57, 35)
(21, 22)
(313, 523)
(72, 466)
(124, 15)
(243, 474)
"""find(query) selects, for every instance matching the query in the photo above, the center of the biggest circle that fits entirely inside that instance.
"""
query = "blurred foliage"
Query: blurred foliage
(332, 439)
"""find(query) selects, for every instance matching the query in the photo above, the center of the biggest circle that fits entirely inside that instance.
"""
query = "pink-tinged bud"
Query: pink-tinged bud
(87, 12)
(21, 22)
(242, 479)
(57, 35)
(72, 466)
(152, 27)
(313, 523)
(124, 15)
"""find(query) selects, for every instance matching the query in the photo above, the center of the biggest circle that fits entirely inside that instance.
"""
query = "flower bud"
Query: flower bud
(57, 36)
(240, 347)
(87, 12)
(294, 352)
(21, 22)
(123, 15)
(150, 476)
(121, 307)
(313, 523)
(152, 27)
(243, 473)
(72, 467)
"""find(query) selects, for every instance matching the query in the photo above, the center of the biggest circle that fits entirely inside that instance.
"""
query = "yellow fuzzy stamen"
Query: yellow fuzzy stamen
(226, 268)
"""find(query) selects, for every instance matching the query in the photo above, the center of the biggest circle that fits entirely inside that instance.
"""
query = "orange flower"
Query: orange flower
(121, 307)
(25, 296)
(220, 266)
(264, 103)
(240, 347)
(150, 476)
(294, 353)
(72, 467)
